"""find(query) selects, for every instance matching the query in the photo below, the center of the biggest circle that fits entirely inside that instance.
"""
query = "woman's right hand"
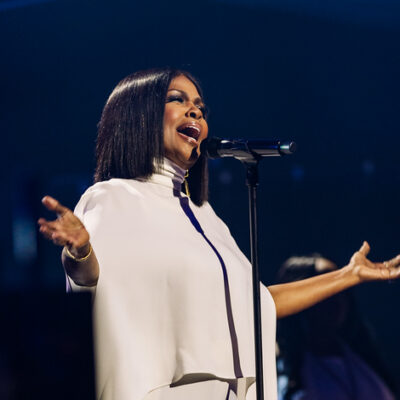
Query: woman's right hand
(67, 230)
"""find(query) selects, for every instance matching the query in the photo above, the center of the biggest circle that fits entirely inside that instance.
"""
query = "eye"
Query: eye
(174, 97)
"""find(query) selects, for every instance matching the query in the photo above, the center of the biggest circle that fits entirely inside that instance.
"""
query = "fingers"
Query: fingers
(53, 205)
(389, 269)
(60, 238)
(68, 221)
(394, 273)
(46, 232)
(393, 263)
(49, 224)
(364, 249)
(48, 227)
(67, 229)
(55, 237)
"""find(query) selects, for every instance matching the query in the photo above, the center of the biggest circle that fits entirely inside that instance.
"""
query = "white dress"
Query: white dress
(174, 296)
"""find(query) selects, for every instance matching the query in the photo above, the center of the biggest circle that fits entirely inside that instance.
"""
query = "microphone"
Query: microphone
(245, 149)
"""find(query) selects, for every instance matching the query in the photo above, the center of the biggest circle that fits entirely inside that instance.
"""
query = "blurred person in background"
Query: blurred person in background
(327, 351)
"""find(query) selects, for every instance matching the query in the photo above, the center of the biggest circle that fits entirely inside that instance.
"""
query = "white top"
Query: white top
(162, 307)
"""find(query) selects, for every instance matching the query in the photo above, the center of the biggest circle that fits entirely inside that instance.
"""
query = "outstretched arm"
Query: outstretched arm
(291, 298)
(78, 258)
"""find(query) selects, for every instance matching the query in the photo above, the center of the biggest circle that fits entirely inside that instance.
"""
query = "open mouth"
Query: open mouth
(190, 131)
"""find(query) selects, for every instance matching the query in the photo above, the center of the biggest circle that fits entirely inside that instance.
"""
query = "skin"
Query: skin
(291, 298)
(184, 105)
(68, 231)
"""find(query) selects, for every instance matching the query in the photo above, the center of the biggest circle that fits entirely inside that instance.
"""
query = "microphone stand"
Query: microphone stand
(250, 152)
(250, 162)
(251, 165)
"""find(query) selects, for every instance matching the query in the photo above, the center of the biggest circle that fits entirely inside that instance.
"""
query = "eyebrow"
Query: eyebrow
(197, 100)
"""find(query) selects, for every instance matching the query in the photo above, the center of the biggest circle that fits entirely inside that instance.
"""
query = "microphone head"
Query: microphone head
(209, 147)
(245, 149)
(287, 147)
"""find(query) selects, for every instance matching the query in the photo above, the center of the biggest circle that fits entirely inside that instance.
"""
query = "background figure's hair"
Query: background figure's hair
(292, 331)
(130, 140)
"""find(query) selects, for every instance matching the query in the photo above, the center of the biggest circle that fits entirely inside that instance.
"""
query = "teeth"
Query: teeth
(196, 128)
(191, 131)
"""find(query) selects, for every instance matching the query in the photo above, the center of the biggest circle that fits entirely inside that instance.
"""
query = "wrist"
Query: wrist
(79, 253)
(350, 275)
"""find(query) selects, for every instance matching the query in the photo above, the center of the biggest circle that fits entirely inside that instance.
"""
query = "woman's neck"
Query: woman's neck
(168, 174)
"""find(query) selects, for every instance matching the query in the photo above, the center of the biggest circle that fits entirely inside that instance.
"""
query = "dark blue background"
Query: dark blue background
(324, 76)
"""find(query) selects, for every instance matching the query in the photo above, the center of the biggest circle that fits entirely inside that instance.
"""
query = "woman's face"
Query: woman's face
(184, 124)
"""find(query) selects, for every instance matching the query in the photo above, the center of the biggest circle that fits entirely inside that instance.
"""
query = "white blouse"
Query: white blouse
(174, 296)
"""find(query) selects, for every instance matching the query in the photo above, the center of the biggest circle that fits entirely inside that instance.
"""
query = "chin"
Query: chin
(194, 156)
(185, 160)
(189, 159)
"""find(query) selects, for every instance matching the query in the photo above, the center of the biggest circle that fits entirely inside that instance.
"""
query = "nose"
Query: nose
(194, 112)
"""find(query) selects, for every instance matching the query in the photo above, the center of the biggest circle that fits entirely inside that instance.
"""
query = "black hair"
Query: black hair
(130, 136)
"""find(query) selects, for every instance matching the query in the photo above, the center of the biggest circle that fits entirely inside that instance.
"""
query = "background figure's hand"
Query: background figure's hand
(367, 270)
(67, 230)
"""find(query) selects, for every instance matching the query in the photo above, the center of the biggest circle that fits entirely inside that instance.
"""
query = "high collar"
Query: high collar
(169, 174)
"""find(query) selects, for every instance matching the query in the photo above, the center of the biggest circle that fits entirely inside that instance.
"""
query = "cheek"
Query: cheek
(166, 119)
(168, 125)
(170, 117)
(205, 130)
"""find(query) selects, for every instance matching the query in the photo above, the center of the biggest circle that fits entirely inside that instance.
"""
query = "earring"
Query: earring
(187, 184)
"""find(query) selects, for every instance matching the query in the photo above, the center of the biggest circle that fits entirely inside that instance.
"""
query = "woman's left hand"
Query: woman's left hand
(367, 270)
(293, 297)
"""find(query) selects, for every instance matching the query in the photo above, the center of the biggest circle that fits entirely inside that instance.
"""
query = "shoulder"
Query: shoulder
(115, 185)
(108, 193)
(112, 187)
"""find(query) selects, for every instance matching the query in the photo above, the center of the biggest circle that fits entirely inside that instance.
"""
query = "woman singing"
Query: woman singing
(172, 291)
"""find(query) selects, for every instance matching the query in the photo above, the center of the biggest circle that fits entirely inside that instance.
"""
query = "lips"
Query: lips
(191, 130)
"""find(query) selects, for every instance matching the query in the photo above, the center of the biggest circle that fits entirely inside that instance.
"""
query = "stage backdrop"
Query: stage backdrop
(324, 76)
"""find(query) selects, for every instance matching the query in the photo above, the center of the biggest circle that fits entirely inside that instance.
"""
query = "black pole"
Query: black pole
(250, 152)
(252, 183)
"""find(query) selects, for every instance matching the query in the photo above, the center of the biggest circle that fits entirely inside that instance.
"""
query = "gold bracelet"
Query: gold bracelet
(70, 255)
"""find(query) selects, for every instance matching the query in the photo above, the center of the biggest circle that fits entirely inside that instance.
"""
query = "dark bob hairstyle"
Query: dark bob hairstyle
(130, 140)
